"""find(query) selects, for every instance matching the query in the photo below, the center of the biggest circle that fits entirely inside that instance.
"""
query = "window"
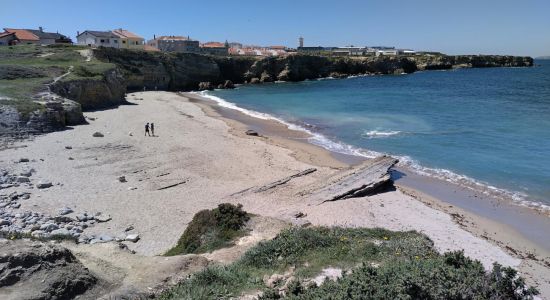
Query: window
(103, 41)
(116, 41)
(124, 42)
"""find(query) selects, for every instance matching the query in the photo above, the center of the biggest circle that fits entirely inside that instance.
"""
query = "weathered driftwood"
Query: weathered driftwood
(275, 184)
(172, 185)
(360, 181)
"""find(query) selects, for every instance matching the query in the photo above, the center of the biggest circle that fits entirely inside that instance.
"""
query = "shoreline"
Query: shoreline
(483, 203)
(518, 230)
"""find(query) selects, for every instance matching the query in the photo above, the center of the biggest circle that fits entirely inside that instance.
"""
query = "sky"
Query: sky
(452, 27)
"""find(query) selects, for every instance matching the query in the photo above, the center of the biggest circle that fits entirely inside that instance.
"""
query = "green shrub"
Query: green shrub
(408, 267)
(451, 276)
(211, 229)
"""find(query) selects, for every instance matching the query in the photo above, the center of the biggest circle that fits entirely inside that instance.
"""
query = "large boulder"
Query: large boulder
(36, 270)
(206, 86)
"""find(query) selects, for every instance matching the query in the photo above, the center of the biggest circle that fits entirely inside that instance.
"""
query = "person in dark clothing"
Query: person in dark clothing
(147, 129)
(153, 129)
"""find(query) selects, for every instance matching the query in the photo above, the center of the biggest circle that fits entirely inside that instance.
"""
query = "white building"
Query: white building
(99, 38)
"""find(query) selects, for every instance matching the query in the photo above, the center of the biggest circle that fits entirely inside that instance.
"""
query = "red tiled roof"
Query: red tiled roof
(126, 34)
(3, 34)
(213, 45)
(22, 34)
(278, 47)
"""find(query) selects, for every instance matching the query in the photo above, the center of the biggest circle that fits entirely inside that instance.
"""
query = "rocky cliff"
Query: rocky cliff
(94, 93)
(186, 71)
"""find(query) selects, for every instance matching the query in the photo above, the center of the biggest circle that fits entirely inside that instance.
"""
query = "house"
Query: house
(215, 48)
(311, 50)
(22, 36)
(7, 39)
(174, 43)
(98, 39)
(128, 39)
(350, 51)
(34, 36)
(50, 38)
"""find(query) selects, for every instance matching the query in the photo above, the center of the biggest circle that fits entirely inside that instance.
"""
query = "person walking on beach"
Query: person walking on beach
(153, 129)
(147, 129)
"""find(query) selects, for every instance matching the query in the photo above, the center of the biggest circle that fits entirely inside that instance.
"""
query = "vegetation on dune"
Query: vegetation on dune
(382, 264)
(212, 229)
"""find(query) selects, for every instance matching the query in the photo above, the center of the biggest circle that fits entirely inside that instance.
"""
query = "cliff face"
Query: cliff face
(186, 71)
(93, 93)
(442, 62)
(174, 72)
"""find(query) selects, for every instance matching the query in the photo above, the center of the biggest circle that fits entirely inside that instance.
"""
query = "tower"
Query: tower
(301, 42)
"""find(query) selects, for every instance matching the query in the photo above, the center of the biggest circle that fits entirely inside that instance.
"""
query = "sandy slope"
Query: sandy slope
(210, 162)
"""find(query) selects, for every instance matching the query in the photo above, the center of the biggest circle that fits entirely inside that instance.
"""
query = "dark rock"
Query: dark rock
(44, 185)
(98, 134)
(35, 270)
(252, 133)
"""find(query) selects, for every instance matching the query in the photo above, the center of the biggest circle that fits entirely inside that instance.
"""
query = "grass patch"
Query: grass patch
(27, 68)
(212, 229)
(408, 267)
(24, 107)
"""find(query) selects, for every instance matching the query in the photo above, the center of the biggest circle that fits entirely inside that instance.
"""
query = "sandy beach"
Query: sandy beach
(200, 156)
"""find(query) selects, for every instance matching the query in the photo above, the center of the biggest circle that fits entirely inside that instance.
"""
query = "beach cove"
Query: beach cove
(201, 149)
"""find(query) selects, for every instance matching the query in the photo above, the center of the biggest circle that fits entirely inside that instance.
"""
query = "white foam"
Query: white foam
(405, 161)
(377, 133)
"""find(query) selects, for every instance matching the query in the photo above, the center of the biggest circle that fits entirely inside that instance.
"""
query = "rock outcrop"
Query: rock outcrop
(94, 93)
(363, 180)
(187, 71)
(36, 270)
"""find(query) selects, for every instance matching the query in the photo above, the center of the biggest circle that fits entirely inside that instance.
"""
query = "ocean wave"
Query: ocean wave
(376, 133)
(404, 161)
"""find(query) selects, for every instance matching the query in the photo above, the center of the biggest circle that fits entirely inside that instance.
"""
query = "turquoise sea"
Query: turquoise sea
(485, 128)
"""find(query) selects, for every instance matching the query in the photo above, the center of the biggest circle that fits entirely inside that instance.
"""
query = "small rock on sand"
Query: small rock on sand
(132, 188)
(68, 147)
(44, 184)
(132, 237)
(103, 218)
(106, 238)
(65, 211)
(97, 134)
(21, 160)
(22, 179)
(122, 178)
